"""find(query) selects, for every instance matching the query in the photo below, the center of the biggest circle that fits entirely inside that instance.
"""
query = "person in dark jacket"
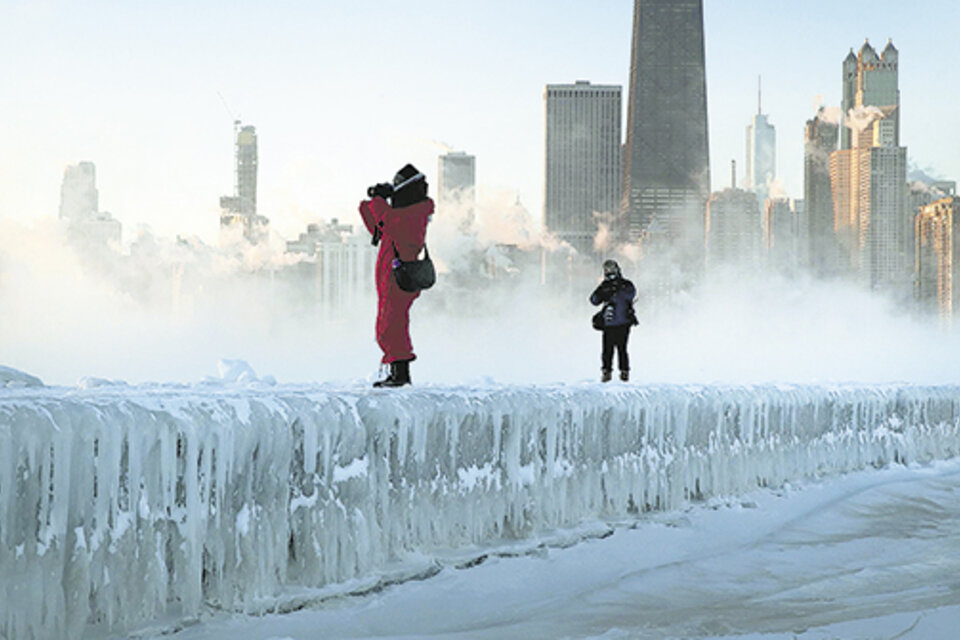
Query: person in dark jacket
(400, 227)
(616, 294)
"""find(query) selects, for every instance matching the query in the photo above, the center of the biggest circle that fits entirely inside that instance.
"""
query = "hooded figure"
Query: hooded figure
(616, 294)
(400, 226)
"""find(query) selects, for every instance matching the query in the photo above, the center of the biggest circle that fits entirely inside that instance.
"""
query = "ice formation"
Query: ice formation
(120, 505)
(14, 378)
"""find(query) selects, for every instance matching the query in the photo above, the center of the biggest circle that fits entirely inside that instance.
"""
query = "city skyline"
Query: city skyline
(156, 127)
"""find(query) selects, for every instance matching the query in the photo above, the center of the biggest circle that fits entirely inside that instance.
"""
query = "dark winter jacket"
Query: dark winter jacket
(617, 295)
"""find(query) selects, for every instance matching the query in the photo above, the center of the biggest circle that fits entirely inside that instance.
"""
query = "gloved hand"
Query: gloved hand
(384, 190)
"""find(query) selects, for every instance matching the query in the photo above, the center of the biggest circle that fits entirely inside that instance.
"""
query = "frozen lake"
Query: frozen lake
(873, 554)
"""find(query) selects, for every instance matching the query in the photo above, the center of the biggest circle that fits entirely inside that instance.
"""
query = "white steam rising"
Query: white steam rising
(170, 310)
(862, 116)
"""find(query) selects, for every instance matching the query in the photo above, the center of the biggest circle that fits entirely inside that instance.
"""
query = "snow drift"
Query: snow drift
(120, 505)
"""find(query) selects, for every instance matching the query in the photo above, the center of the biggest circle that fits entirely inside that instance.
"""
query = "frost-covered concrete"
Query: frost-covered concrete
(120, 505)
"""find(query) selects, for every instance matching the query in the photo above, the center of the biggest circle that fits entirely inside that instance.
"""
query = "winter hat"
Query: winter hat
(406, 176)
(610, 267)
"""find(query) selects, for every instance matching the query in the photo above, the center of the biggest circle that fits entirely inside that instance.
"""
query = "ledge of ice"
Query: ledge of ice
(238, 371)
(121, 505)
(14, 378)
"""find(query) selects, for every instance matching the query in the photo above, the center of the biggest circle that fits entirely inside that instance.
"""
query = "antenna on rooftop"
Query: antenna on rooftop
(236, 120)
(759, 109)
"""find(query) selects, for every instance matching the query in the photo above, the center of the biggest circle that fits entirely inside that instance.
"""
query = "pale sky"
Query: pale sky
(344, 93)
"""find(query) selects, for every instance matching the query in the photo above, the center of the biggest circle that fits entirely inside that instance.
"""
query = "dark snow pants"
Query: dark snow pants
(616, 337)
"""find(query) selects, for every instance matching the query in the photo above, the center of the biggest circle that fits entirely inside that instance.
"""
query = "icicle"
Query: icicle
(113, 507)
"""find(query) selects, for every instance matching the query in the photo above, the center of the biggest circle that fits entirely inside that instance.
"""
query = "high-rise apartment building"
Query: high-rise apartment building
(239, 211)
(871, 80)
(582, 173)
(734, 229)
(937, 257)
(79, 198)
(868, 173)
(921, 193)
(666, 177)
(761, 154)
(80, 207)
(820, 141)
(785, 235)
(457, 176)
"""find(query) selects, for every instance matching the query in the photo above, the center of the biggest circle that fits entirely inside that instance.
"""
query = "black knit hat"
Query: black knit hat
(409, 187)
(610, 267)
(407, 175)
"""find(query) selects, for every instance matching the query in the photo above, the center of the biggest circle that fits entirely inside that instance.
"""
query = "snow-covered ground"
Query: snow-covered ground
(869, 555)
(130, 508)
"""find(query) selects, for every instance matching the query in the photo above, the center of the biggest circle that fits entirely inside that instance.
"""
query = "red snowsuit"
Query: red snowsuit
(405, 228)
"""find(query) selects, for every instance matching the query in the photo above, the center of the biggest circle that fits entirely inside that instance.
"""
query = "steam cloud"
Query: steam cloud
(861, 117)
(168, 310)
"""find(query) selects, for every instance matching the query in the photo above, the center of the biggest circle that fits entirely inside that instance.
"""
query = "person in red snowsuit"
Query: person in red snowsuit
(400, 225)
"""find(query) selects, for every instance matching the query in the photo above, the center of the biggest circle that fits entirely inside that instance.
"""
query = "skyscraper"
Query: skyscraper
(938, 257)
(761, 153)
(820, 140)
(785, 235)
(582, 176)
(868, 173)
(456, 172)
(734, 229)
(79, 198)
(80, 206)
(239, 211)
(666, 158)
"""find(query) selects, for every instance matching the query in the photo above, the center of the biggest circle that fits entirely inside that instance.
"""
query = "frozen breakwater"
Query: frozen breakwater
(122, 505)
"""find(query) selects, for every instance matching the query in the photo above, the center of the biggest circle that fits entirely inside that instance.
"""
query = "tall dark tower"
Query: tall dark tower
(666, 158)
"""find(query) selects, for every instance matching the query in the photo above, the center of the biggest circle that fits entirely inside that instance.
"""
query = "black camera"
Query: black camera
(384, 190)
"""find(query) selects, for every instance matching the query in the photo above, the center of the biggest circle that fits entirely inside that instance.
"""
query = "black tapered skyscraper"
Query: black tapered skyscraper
(666, 164)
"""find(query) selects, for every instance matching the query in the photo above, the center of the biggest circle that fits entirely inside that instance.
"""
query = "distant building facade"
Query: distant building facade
(80, 207)
(666, 173)
(785, 239)
(238, 216)
(937, 281)
(457, 176)
(820, 141)
(79, 198)
(921, 193)
(582, 160)
(318, 233)
(336, 268)
(734, 229)
(761, 154)
(868, 173)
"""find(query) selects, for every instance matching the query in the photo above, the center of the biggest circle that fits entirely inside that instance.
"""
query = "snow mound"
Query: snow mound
(238, 372)
(90, 382)
(14, 378)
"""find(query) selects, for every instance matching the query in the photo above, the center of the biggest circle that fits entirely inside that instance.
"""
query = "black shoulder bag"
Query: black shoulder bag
(414, 275)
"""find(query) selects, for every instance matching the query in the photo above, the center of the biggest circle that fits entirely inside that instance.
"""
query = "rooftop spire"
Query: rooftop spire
(759, 102)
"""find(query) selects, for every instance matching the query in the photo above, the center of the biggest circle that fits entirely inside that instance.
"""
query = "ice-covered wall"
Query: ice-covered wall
(123, 505)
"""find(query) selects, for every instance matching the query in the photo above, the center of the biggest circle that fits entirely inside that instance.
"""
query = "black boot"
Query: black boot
(402, 373)
(388, 379)
(399, 375)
